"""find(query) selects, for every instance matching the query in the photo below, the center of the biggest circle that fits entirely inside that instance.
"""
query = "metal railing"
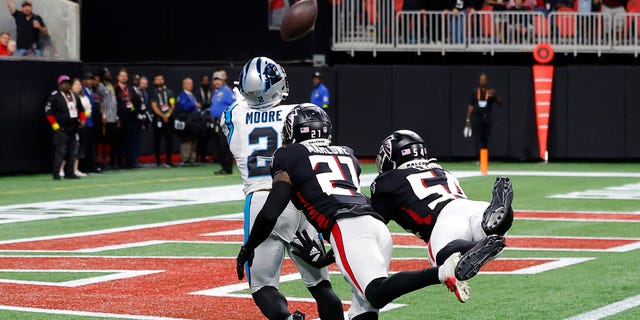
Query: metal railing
(374, 25)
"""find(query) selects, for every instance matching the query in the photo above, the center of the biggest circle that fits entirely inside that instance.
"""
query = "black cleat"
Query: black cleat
(483, 252)
(498, 217)
(298, 315)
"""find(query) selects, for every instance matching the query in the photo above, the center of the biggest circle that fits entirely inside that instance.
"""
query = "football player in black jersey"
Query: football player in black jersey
(323, 181)
(428, 201)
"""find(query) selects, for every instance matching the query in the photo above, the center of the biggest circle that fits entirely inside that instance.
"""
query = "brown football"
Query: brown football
(299, 20)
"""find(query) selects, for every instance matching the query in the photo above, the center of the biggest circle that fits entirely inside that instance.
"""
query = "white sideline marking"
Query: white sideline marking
(85, 313)
(115, 275)
(624, 192)
(609, 310)
(228, 292)
(557, 263)
(176, 198)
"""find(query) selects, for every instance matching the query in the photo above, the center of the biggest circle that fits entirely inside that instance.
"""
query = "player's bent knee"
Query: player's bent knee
(329, 304)
(272, 303)
(375, 294)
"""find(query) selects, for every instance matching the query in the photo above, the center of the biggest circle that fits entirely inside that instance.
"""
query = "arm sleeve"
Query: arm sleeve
(266, 220)
(81, 114)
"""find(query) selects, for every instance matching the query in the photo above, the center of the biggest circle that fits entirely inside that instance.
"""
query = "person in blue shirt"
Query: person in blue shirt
(221, 99)
(88, 164)
(320, 93)
(187, 103)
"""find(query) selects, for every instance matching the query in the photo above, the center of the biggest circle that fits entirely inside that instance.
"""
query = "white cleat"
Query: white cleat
(447, 275)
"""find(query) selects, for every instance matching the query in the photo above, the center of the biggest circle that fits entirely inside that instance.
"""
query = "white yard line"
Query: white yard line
(609, 310)
(114, 275)
(85, 313)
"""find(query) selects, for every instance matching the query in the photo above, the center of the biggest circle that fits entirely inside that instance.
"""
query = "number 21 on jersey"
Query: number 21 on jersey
(336, 174)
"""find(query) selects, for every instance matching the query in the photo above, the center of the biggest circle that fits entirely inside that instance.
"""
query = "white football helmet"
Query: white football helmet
(263, 83)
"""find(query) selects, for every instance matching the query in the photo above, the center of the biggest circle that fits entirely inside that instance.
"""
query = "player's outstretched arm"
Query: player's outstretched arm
(266, 220)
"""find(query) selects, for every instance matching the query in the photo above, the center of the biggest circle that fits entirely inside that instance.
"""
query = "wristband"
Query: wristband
(55, 126)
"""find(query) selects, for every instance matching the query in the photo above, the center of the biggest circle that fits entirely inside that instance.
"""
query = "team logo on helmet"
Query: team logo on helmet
(271, 75)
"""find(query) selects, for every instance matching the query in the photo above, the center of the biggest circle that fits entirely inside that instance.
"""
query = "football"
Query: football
(299, 20)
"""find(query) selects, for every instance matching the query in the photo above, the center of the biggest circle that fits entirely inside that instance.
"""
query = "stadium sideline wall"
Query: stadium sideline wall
(594, 108)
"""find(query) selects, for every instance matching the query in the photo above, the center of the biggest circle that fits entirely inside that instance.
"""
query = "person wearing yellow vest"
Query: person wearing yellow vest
(478, 119)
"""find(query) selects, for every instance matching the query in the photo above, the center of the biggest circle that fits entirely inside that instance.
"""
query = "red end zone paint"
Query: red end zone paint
(166, 294)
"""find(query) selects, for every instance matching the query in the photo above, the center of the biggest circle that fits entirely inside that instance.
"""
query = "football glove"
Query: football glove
(244, 256)
(467, 132)
(311, 251)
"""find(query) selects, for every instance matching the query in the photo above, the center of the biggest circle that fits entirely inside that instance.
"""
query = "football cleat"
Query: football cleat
(483, 252)
(297, 316)
(446, 274)
(498, 217)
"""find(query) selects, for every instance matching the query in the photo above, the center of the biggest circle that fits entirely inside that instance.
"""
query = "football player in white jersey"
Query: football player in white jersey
(253, 127)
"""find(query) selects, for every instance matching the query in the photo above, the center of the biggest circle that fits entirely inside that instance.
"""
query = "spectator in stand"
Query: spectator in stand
(89, 163)
(128, 110)
(520, 29)
(499, 6)
(455, 10)
(29, 27)
(140, 123)
(320, 93)
(5, 37)
(204, 98)
(222, 98)
(187, 104)
(163, 104)
(65, 114)
(110, 120)
(611, 8)
(13, 46)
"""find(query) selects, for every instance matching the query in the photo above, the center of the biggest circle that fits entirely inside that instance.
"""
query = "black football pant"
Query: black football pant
(66, 149)
(163, 133)
(481, 128)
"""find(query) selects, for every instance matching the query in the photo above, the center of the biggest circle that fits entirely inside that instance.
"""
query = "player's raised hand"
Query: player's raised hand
(244, 256)
(311, 251)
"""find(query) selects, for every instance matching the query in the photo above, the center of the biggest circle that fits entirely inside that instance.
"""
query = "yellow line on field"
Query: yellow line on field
(106, 185)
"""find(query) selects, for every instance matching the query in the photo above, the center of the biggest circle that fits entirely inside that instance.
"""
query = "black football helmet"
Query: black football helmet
(307, 122)
(400, 147)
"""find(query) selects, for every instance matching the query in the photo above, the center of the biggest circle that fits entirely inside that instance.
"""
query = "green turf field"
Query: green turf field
(609, 275)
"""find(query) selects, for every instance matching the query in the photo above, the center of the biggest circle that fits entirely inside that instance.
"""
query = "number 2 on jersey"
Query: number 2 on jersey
(258, 161)
(332, 177)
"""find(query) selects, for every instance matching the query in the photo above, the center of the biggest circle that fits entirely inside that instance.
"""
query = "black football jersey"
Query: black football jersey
(325, 181)
(413, 197)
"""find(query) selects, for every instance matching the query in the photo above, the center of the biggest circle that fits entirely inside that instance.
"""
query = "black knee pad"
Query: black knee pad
(375, 295)
(329, 304)
(272, 303)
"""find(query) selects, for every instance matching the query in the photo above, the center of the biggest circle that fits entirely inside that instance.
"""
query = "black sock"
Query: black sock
(381, 291)
(329, 304)
(452, 247)
(366, 316)
(272, 303)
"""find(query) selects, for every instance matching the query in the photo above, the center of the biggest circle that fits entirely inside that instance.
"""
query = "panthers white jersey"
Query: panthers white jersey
(253, 136)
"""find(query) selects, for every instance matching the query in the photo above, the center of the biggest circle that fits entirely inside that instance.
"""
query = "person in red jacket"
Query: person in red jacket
(65, 114)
